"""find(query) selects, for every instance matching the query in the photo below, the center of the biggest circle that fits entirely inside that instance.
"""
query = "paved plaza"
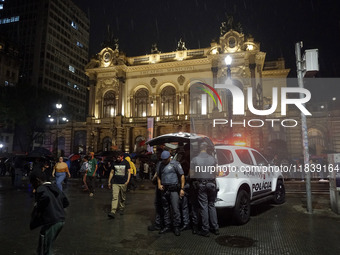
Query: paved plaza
(285, 229)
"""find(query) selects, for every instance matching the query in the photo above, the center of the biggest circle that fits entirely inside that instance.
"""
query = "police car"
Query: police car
(244, 176)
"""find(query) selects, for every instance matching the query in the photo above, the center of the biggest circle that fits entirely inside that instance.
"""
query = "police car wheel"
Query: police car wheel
(242, 208)
(280, 193)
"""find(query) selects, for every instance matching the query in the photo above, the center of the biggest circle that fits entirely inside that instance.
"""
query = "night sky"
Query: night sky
(277, 25)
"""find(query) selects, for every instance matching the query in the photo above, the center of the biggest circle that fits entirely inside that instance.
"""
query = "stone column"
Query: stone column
(121, 94)
(120, 132)
(158, 105)
(252, 67)
(214, 70)
(92, 97)
(127, 146)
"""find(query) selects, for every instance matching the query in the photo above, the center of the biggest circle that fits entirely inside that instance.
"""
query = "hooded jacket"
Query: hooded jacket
(49, 206)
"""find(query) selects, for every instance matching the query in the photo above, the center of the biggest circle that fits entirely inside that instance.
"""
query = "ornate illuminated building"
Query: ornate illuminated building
(133, 98)
(127, 91)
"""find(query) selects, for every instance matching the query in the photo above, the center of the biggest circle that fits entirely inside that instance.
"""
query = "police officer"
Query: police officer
(204, 181)
(170, 178)
(184, 159)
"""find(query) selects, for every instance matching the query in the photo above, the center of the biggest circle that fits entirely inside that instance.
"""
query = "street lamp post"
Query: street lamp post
(58, 113)
(228, 59)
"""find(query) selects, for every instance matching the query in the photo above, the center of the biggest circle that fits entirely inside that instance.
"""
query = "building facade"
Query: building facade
(135, 98)
(127, 91)
(9, 76)
(9, 63)
(53, 40)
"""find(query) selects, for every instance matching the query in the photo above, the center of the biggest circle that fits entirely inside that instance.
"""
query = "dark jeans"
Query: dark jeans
(170, 198)
(48, 234)
(90, 181)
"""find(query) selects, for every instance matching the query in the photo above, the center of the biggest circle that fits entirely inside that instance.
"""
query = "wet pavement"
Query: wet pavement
(285, 229)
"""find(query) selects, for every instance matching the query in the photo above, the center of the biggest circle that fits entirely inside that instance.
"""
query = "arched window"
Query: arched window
(61, 146)
(316, 140)
(168, 99)
(195, 100)
(227, 97)
(107, 143)
(109, 104)
(141, 103)
(79, 141)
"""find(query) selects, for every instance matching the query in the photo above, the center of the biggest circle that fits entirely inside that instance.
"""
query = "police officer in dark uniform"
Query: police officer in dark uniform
(184, 159)
(203, 177)
(170, 178)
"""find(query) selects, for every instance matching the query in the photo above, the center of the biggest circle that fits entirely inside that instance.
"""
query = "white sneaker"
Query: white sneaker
(91, 194)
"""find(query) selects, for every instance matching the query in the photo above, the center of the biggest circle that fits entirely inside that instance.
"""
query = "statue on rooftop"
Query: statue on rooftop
(181, 45)
(154, 49)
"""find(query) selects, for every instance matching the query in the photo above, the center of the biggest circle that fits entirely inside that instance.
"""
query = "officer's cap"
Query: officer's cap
(165, 155)
(203, 146)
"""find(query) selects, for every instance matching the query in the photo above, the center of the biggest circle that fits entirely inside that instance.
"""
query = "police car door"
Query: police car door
(263, 183)
(247, 167)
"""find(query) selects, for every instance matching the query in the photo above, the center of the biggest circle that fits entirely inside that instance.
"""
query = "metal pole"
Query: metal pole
(299, 70)
(230, 113)
(57, 138)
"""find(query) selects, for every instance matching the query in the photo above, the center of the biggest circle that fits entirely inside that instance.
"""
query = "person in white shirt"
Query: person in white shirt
(146, 171)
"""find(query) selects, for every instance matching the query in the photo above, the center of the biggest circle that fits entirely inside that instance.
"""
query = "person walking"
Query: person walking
(170, 178)
(59, 172)
(48, 211)
(83, 170)
(91, 173)
(146, 171)
(121, 174)
(206, 186)
(184, 159)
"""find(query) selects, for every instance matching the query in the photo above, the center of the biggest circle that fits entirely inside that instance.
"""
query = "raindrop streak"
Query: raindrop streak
(117, 23)
(311, 2)
(157, 30)
(132, 25)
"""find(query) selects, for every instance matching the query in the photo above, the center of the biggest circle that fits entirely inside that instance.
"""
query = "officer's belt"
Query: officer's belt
(171, 187)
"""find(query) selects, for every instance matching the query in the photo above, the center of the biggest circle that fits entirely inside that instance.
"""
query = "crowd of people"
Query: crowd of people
(184, 199)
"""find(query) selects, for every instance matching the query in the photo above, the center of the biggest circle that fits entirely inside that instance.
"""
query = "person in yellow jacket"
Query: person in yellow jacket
(132, 183)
